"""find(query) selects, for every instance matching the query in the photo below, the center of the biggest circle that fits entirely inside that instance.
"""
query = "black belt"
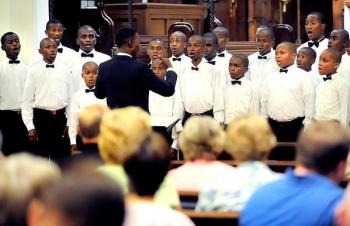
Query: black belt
(188, 115)
(296, 120)
(52, 113)
(17, 112)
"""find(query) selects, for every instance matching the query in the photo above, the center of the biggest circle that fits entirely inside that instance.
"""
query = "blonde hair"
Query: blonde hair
(121, 133)
(249, 138)
(202, 137)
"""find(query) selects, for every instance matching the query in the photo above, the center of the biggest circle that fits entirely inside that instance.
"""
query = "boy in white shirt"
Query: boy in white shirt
(54, 30)
(12, 77)
(262, 63)
(332, 94)
(339, 39)
(46, 95)
(86, 40)
(287, 97)
(81, 99)
(305, 59)
(178, 59)
(223, 38)
(241, 96)
(199, 90)
(315, 27)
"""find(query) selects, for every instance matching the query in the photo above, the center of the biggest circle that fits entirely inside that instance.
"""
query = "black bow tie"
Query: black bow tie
(221, 55)
(311, 44)
(283, 70)
(176, 59)
(211, 62)
(14, 62)
(50, 65)
(87, 55)
(234, 82)
(60, 50)
(327, 78)
(262, 57)
(89, 90)
(194, 68)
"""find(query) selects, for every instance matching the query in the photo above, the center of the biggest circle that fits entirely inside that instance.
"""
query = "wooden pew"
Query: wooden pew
(213, 218)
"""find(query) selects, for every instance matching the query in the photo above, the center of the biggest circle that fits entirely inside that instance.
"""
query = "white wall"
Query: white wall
(27, 18)
(347, 19)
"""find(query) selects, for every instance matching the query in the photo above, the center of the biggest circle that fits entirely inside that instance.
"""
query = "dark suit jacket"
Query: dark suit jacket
(126, 82)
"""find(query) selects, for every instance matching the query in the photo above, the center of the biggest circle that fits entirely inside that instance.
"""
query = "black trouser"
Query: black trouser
(287, 131)
(188, 115)
(50, 126)
(15, 135)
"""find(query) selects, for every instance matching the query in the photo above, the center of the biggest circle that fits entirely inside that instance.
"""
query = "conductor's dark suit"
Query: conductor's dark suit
(126, 82)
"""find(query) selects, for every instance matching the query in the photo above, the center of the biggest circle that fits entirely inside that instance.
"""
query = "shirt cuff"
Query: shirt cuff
(170, 69)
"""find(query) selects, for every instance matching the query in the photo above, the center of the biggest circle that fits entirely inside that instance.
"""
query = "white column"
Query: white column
(27, 19)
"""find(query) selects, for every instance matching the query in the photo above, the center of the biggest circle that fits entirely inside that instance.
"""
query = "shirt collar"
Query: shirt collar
(124, 54)
(269, 55)
(82, 51)
(224, 52)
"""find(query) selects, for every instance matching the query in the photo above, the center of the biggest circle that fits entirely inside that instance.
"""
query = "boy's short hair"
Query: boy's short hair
(212, 36)
(336, 55)
(148, 166)
(53, 21)
(309, 51)
(266, 29)
(199, 38)
(322, 146)
(86, 200)
(222, 30)
(89, 120)
(88, 27)
(4, 36)
(123, 35)
(89, 63)
(242, 57)
(318, 15)
(44, 40)
(291, 46)
(156, 40)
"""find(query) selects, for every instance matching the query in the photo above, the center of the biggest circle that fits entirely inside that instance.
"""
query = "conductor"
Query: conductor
(125, 81)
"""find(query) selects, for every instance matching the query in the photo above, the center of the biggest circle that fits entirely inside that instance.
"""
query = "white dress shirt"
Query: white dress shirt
(177, 65)
(80, 100)
(222, 68)
(286, 96)
(259, 69)
(322, 46)
(240, 99)
(65, 57)
(79, 61)
(12, 78)
(45, 88)
(160, 106)
(316, 78)
(225, 60)
(332, 100)
(199, 91)
(344, 68)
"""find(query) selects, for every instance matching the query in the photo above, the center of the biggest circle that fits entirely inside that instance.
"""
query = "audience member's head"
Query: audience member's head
(249, 138)
(202, 138)
(79, 200)
(22, 177)
(148, 166)
(121, 133)
(89, 122)
(323, 148)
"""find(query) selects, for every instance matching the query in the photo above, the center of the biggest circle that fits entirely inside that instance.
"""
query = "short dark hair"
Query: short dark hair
(310, 51)
(199, 38)
(53, 21)
(242, 57)
(44, 40)
(336, 55)
(148, 166)
(318, 15)
(123, 35)
(266, 29)
(322, 146)
(4, 37)
(88, 27)
(212, 36)
(89, 200)
(222, 30)
(291, 46)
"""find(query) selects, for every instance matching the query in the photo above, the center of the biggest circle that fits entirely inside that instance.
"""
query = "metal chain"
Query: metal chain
(130, 14)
